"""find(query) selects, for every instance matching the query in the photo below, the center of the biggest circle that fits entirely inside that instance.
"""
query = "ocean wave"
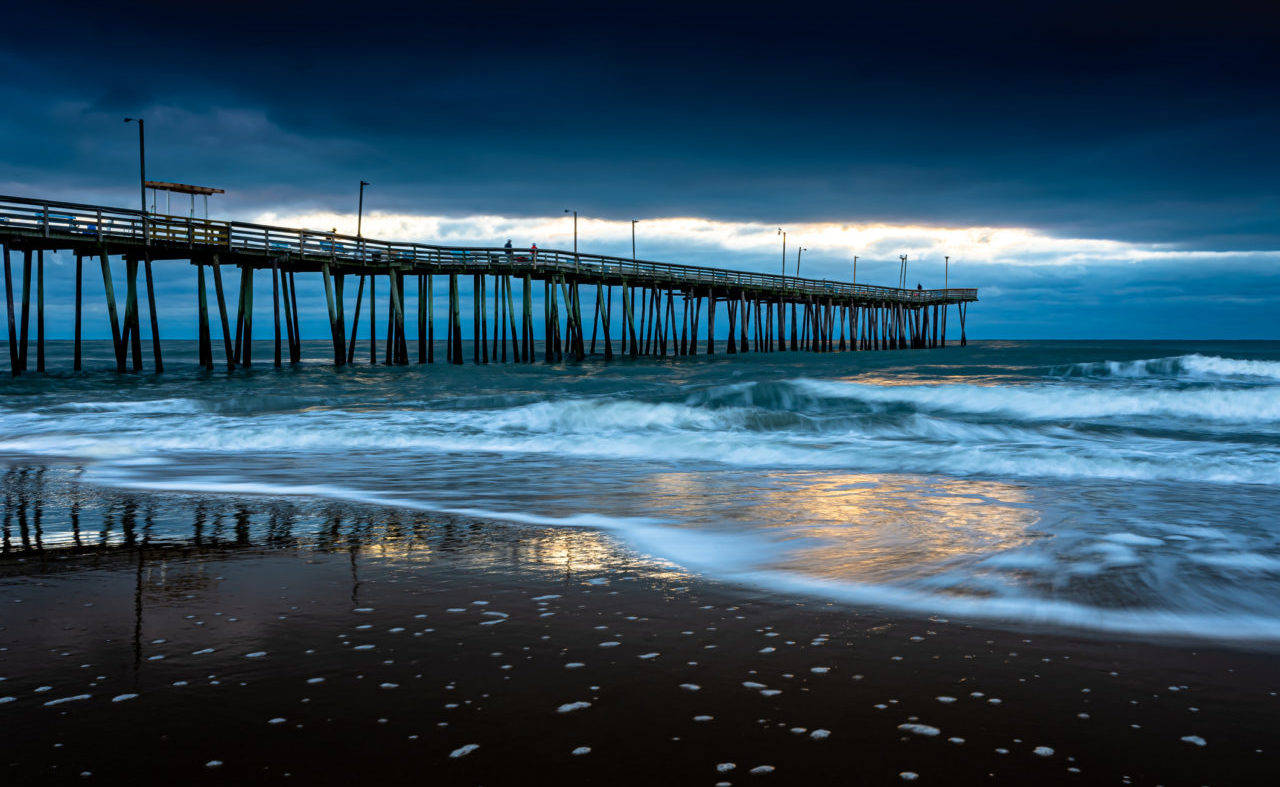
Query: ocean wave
(1191, 367)
(749, 557)
(1059, 401)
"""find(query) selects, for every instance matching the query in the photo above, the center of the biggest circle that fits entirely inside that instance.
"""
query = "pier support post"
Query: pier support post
(278, 360)
(355, 322)
(511, 324)
(132, 317)
(40, 312)
(222, 311)
(422, 319)
(151, 310)
(246, 352)
(607, 321)
(339, 352)
(75, 362)
(455, 322)
(117, 340)
(8, 291)
(25, 320)
(711, 322)
(205, 351)
(526, 319)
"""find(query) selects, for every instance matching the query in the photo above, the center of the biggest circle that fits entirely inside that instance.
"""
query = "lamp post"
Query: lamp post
(855, 270)
(633, 239)
(142, 170)
(902, 272)
(946, 273)
(575, 231)
(799, 251)
(360, 209)
(783, 233)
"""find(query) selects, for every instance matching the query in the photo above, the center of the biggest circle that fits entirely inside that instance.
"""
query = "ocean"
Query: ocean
(1116, 487)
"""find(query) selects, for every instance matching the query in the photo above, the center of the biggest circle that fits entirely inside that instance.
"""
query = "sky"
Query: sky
(1097, 170)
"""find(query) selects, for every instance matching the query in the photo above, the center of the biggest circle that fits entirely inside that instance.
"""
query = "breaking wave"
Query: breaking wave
(1190, 367)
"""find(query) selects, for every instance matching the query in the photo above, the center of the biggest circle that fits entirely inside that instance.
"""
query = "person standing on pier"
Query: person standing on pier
(510, 256)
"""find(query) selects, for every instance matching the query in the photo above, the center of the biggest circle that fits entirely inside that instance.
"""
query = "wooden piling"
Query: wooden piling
(222, 307)
(117, 341)
(151, 310)
(339, 352)
(455, 322)
(8, 291)
(132, 312)
(40, 312)
(205, 350)
(25, 320)
(275, 311)
(355, 321)
(75, 362)
(422, 320)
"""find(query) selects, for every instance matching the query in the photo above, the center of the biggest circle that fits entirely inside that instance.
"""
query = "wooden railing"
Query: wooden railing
(50, 219)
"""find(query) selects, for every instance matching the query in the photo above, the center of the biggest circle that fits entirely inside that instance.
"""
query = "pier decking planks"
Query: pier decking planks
(872, 318)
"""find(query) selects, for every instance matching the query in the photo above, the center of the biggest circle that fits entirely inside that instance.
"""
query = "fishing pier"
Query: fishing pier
(660, 306)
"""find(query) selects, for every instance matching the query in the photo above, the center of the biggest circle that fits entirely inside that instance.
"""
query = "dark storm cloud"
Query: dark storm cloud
(1135, 123)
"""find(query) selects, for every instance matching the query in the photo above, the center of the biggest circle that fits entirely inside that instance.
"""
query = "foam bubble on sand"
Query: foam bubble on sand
(725, 767)
(581, 750)
(574, 665)
(690, 687)
(649, 655)
(570, 707)
(123, 697)
(919, 729)
(463, 751)
(76, 698)
(759, 769)
(257, 654)
(1195, 739)
(1043, 751)
(820, 734)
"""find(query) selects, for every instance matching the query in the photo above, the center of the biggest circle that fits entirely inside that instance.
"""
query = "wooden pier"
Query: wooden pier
(660, 306)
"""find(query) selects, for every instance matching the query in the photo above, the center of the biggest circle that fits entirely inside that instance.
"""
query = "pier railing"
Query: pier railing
(53, 219)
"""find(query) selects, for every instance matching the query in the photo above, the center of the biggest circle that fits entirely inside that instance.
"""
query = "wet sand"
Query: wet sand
(202, 640)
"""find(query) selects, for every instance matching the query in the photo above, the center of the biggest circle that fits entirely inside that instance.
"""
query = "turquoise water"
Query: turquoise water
(1128, 487)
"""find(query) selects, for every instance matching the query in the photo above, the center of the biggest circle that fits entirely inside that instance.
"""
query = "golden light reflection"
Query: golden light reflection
(866, 527)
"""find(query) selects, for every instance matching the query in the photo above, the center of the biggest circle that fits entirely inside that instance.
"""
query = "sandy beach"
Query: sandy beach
(313, 643)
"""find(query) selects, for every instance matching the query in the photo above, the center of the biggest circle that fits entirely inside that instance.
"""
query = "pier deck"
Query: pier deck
(661, 303)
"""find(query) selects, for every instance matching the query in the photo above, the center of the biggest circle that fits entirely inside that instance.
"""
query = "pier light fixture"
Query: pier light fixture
(902, 271)
(855, 269)
(799, 251)
(783, 233)
(633, 239)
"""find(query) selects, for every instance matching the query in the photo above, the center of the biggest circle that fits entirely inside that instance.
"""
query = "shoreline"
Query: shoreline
(307, 598)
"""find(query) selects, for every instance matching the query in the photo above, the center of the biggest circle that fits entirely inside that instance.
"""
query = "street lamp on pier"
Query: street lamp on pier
(142, 170)
(360, 209)
(783, 233)
(633, 239)
(575, 231)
